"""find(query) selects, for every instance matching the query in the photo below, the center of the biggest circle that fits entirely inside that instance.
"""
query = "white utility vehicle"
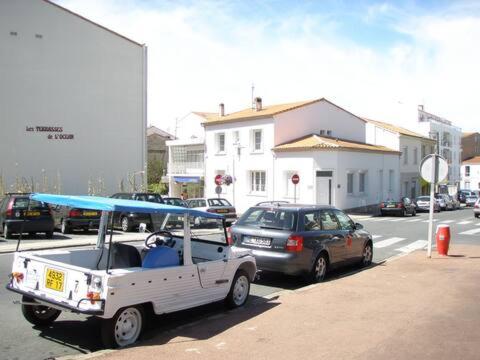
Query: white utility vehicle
(172, 269)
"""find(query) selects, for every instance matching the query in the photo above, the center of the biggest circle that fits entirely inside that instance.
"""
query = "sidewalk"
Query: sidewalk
(409, 308)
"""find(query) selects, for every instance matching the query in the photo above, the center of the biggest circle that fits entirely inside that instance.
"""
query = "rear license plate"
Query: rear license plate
(257, 241)
(390, 205)
(89, 213)
(222, 211)
(32, 213)
(54, 279)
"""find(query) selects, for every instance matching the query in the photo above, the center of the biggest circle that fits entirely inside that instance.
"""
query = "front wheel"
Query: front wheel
(319, 269)
(367, 255)
(126, 224)
(65, 229)
(239, 291)
(124, 328)
(38, 314)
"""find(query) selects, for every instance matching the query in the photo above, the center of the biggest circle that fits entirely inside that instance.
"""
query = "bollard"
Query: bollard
(443, 239)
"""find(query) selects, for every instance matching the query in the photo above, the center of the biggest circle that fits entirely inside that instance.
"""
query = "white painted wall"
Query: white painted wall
(318, 116)
(377, 135)
(60, 70)
(471, 182)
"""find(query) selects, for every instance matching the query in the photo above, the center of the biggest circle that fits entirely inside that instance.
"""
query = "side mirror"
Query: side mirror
(142, 227)
(358, 226)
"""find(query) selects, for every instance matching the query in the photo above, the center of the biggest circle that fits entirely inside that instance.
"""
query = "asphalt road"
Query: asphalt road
(77, 334)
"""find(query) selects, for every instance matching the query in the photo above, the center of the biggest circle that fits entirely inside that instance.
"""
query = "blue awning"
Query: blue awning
(110, 204)
(187, 179)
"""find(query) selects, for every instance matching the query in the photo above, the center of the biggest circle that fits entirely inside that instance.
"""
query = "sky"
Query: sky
(377, 59)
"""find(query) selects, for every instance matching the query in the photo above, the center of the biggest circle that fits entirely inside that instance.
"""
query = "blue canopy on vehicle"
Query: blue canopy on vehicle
(110, 204)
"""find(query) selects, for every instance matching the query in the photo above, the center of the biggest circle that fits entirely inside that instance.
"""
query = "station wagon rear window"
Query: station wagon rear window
(218, 202)
(269, 219)
(23, 203)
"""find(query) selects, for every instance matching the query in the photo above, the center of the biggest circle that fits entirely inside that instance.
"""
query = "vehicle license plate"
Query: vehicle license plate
(222, 211)
(257, 241)
(89, 213)
(54, 279)
(390, 205)
(33, 213)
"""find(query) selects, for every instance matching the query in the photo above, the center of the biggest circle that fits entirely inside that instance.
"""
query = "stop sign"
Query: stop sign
(218, 179)
(295, 179)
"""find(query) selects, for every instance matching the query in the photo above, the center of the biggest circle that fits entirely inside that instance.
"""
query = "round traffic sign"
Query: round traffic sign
(295, 179)
(218, 179)
(218, 189)
(426, 168)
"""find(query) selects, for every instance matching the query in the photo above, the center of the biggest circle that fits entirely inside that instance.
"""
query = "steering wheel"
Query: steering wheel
(159, 238)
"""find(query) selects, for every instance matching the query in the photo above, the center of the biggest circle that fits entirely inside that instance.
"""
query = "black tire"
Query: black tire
(111, 332)
(39, 315)
(125, 224)
(49, 234)
(477, 215)
(65, 229)
(32, 233)
(6, 233)
(319, 269)
(414, 213)
(404, 213)
(239, 291)
(367, 255)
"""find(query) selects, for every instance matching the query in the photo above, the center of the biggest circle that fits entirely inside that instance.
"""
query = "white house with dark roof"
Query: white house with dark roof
(262, 147)
(413, 146)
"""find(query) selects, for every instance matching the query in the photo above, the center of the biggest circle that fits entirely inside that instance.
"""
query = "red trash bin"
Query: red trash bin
(443, 239)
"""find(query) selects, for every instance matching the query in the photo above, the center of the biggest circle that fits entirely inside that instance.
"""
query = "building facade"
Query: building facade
(449, 141)
(157, 150)
(471, 174)
(413, 147)
(470, 145)
(186, 164)
(261, 148)
(72, 102)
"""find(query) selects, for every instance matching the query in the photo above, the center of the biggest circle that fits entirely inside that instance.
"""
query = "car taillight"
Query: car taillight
(9, 211)
(294, 243)
(400, 205)
(74, 213)
(211, 210)
(382, 204)
(229, 236)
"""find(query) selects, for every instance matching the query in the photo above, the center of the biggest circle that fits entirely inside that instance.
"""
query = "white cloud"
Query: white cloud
(203, 54)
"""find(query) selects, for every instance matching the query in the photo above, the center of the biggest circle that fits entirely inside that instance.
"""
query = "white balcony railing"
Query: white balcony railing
(186, 168)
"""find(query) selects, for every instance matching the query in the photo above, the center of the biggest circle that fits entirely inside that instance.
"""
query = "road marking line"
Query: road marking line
(470, 232)
(426, 221)
(387, 242)
(416, 245)
(376, 236)
(477, 224)
(414, 220)
(464, 222)
(381, 219)
(447, 221)
(394, 220)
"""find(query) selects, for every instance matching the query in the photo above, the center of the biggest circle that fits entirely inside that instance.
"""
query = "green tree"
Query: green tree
(154, 177)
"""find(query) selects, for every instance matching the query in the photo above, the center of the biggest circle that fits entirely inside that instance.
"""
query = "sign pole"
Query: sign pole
(295, 193)
(432, 199)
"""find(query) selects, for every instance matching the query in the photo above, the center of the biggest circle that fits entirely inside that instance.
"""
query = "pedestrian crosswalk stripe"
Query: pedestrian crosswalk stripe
(414, 220)
(376, 236)
(419, 244)
(446, 221)
(394, 220)
(387, 242)
(426, 221)
(464, 222)
(470, 232)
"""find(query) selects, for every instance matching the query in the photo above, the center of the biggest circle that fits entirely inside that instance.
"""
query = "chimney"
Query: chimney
(420, 107)
(258, 103)
(222, 109)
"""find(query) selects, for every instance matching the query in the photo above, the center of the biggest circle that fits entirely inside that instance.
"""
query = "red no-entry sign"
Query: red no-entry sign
(295, 179)
(218, 179)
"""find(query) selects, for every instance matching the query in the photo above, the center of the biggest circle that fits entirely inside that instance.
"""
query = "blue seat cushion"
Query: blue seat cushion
(161, 256)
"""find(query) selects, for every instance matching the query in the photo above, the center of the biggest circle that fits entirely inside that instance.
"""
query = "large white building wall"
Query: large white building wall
(471, 182)
(321, 115)
(60, 70)
(377, 135)
(239, 163)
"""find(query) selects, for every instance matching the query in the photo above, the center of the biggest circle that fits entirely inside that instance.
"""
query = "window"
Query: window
(272, 218)
(405, 155)
(424, 151)
(345, 222)
(329, 222)
(311, 221)
(218, 202)
(361, 182)
(257, 181)
(257, 145)
(415, 156)
(391, 174)
(220, 142)
(467, 170)
(349, 183)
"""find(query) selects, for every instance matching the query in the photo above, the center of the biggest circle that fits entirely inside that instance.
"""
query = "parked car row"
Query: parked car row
(18, 213)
